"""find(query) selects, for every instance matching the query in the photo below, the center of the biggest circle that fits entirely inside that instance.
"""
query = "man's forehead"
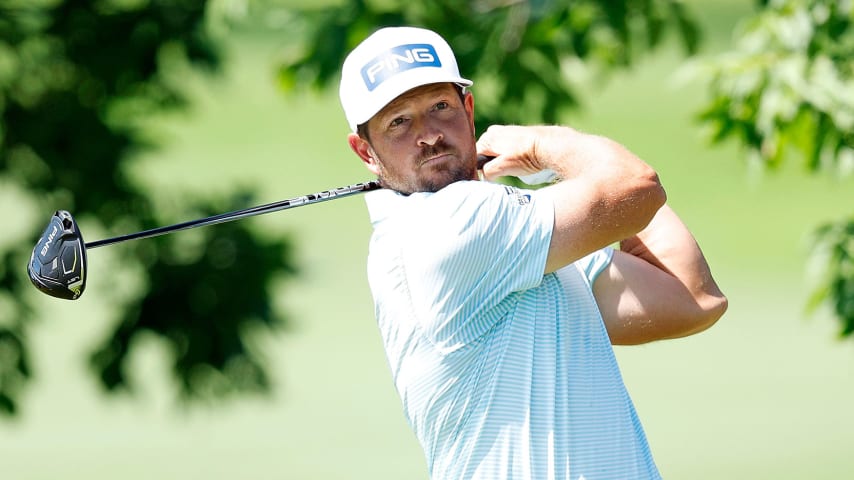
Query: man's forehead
(430, 89)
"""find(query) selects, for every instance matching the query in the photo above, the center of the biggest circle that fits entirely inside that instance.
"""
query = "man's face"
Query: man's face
(422, 141)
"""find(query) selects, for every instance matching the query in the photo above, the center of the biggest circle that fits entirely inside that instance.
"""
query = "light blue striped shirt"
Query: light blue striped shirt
(504, 373)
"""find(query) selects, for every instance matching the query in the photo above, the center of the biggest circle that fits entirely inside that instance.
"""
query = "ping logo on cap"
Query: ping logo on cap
(396, 60)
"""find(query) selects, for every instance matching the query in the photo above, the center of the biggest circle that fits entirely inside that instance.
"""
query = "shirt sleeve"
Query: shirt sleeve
(593, 264)
(470, 246)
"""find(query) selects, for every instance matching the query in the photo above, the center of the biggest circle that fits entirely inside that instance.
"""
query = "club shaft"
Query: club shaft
(248, 212)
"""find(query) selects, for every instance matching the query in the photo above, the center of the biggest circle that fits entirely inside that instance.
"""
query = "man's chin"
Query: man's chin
(447, 177)
(429, 181)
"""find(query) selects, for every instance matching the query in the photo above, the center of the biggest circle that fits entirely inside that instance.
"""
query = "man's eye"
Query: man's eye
(442, 105)
(396, 122)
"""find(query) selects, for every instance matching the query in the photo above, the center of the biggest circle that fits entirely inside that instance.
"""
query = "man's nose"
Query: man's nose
(429, 135)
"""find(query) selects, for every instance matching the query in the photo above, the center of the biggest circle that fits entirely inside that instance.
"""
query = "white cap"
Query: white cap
(392, 61)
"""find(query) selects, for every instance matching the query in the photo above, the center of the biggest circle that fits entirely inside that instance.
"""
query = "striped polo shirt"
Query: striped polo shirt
(503, 372)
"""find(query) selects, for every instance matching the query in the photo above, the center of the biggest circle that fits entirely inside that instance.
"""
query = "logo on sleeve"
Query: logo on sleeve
(521, 198)
(396, 60)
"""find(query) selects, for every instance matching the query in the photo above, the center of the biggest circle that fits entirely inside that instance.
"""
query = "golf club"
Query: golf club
(58, 263)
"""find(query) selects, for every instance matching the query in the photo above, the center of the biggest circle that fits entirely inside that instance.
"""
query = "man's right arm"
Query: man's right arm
(606, 193)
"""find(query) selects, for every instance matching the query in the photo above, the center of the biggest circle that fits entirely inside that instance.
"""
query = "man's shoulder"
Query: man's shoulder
(478, 193)
(388, 203)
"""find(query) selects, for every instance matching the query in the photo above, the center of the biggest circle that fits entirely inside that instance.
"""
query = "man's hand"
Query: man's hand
(515, 149)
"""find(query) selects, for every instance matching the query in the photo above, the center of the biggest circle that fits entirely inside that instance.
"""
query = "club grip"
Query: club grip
(482, 160)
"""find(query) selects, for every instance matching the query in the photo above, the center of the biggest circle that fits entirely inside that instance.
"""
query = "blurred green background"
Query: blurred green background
(766, 393)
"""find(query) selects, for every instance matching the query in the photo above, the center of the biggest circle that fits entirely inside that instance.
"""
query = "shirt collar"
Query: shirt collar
(383, 203)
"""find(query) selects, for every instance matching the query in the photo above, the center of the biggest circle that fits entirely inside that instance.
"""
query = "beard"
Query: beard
(430, 177)
(446, 176)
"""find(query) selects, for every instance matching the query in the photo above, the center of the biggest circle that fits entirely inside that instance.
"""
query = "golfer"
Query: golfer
(498, 306)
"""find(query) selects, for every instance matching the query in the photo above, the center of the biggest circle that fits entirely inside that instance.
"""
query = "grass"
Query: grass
(764, 394)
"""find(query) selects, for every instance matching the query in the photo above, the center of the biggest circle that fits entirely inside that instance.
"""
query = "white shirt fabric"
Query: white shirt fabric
(503, 372)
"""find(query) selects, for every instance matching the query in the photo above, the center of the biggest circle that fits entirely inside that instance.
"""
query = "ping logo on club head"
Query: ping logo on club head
(398, 59)
(49, 241)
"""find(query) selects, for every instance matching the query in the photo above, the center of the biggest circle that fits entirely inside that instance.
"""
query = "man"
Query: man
(498, 306)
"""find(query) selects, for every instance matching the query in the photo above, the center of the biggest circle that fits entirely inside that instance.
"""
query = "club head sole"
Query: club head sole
(58, 263)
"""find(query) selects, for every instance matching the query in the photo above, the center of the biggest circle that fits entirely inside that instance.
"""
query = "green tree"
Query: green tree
(786, 92)
(75, 78)
(519, 53)
(785, 89)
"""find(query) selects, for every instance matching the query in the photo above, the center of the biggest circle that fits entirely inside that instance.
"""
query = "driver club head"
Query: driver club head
(58, 263)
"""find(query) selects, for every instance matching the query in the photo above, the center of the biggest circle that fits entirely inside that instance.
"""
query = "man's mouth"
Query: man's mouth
(434, 158)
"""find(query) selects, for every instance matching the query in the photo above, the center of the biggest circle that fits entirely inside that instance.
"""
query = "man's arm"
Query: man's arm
(605, 194)
(658, 285)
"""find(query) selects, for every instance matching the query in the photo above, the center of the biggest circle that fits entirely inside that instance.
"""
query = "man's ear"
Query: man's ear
(468, 103)
(364, 151)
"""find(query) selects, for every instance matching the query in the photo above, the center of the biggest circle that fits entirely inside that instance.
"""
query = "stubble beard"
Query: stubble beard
(431, 178)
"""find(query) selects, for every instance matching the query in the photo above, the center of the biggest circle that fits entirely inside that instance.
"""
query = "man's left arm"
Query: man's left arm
(658, 285)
